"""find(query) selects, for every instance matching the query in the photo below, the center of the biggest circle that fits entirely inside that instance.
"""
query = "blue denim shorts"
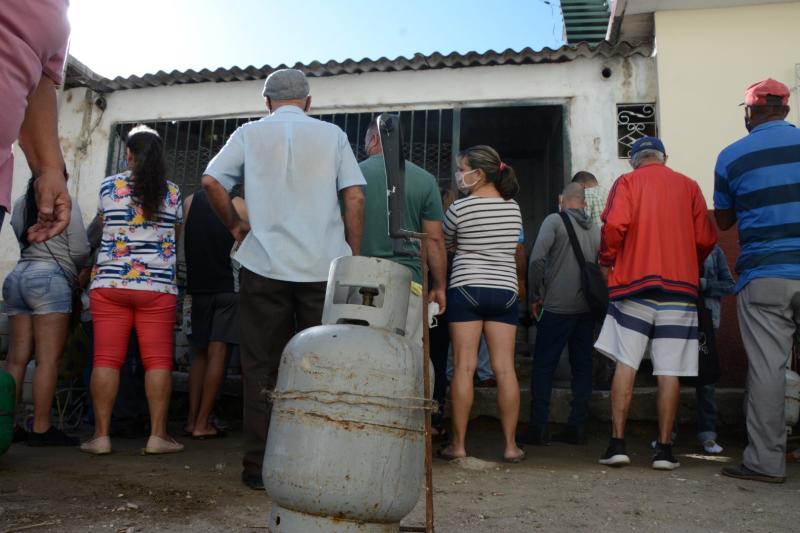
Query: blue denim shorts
(468, 303)
(37, 288)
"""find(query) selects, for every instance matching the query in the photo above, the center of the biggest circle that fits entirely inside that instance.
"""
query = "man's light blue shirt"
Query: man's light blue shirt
(293, 167)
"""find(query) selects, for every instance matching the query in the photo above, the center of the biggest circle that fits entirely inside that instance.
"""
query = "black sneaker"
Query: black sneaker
(615, 454)
(535, 436)
(51, 437)
(571, 435)
(663, 459)
(253, 481)
(19, 435)
(742, 472)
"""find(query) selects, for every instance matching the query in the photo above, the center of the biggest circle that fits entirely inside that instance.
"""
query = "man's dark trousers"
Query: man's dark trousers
(553, 333)
(270, 313)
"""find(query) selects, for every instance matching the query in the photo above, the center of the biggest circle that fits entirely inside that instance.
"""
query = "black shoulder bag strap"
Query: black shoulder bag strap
(573, 239)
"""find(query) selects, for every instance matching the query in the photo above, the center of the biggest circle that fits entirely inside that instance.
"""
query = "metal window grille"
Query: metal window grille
(634, 121)
(190, 144)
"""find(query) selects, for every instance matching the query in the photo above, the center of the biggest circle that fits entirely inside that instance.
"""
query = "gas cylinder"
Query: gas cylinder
(345, 450)
(7, 397)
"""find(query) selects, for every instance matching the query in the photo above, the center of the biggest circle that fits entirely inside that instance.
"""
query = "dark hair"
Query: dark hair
(31, 210)
(499, 174)
(149, 167)
(774, 108)
(583, 177)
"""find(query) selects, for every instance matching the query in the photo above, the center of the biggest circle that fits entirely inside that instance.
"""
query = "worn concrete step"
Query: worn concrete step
(643, 406)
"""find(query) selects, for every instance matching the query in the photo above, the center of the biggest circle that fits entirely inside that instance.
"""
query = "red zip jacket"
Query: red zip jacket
(656, 233)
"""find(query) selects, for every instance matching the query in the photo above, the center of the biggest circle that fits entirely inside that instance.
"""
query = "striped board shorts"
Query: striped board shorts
(665, 325)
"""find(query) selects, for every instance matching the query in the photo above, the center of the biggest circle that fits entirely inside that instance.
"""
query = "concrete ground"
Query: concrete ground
(559, 488)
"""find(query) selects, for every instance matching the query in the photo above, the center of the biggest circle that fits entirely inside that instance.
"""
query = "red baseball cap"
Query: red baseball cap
(757, 93)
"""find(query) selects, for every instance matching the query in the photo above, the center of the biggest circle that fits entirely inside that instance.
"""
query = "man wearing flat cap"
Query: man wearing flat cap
(294, 168)
(757, 184)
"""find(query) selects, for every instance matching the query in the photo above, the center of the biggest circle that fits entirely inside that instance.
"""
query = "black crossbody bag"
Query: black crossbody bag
(594, 286)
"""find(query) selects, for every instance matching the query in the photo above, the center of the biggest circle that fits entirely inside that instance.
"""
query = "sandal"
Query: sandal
(97, 446)
(159, 446)
(441, 453)
(517, 459)
(220, 434)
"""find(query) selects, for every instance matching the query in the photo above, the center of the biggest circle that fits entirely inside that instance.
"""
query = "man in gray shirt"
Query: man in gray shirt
(293, 168)
(555, 284)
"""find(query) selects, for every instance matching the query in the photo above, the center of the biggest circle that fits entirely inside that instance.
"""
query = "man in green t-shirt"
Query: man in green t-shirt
(423, 213)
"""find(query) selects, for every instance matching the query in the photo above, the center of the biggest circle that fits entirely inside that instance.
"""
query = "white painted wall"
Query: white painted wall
(706, 59)
(590, 100)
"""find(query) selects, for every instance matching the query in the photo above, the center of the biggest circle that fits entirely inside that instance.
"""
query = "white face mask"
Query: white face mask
(461, 183)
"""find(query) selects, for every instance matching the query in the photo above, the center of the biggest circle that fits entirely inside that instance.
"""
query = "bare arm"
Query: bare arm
(180, 238)
(726, 218)
(187, 204)
(437, 262)
(78, 243)
(223, 206)
(241, 208)
(38, 139)
(353, 198)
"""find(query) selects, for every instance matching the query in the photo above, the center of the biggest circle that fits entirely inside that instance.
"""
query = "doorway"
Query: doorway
(531, 140)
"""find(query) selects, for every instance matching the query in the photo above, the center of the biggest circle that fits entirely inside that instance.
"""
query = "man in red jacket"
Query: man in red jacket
(655, 237)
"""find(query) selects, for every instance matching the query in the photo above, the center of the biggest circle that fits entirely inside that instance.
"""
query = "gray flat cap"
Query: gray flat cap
(286, 84)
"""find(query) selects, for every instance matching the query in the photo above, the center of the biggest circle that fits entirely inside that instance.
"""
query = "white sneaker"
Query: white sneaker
(97, 446)
(710, 446)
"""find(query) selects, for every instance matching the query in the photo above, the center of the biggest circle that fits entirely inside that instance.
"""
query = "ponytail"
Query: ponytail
(501, 175)
(149, 167)
(507, 184)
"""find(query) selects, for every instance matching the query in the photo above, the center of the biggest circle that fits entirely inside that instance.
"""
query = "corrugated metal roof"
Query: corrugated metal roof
(585, 20)
(78, 75)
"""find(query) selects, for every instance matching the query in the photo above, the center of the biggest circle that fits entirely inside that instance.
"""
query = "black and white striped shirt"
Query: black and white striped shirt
(484, 232)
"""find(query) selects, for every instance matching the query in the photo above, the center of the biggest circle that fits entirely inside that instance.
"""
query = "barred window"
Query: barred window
(190, 144)
(634, 121)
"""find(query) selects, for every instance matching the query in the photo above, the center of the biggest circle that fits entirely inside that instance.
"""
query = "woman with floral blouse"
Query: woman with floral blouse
(133, 285)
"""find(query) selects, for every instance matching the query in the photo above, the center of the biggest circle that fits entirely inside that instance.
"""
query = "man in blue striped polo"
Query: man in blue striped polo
(757, 183)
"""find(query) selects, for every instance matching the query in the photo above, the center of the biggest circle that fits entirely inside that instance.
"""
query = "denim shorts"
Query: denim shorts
(37, 288)
(468, 303)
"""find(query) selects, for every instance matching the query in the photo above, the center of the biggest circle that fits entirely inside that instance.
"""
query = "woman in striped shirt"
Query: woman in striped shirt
(482, 297)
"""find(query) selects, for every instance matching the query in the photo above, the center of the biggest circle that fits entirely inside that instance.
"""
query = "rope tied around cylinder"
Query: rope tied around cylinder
(355, 398)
